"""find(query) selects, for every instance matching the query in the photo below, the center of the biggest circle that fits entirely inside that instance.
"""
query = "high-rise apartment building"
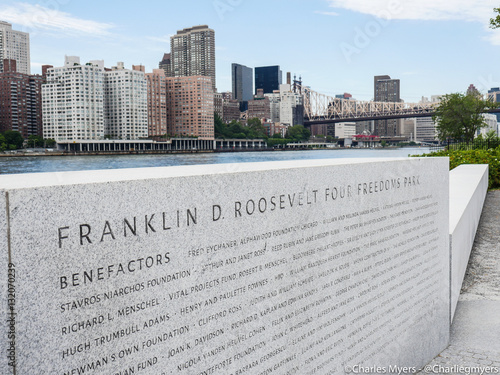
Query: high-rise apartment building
(291, 107)
(472, 90)
(20, 101)
(73, 101)
(387, 90)
(192, 53)
(157, 103)
(125, 103)
(268, 78)
(190, 108)
(166, 65)
(89, 102)
(275, 104)
(242, 80)
(219, 104)
(14, 45)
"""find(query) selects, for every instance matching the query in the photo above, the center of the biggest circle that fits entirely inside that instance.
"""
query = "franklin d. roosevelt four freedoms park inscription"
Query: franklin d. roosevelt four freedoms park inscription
(300, 267)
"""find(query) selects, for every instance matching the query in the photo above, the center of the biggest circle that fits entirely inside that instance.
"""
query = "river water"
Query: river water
(36, 164)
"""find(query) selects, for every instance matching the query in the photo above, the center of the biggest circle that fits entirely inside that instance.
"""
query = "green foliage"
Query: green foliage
(383, 143)
(219, 126)
(329, 138)
(298, 133)
(411, 143)
(3, 143)
(35, 141)
(254, 129)
(492, 139)
(271, 142)
(478, 156)
(459, 116)
(49, 142)
(13, 139)
(495, 22)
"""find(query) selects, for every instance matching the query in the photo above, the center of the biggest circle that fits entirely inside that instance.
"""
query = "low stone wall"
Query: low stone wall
(300, 267)
(468, 188)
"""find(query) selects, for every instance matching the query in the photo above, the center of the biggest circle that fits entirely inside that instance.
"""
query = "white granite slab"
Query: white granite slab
(287, 267)
(468, 188)
(7, 358)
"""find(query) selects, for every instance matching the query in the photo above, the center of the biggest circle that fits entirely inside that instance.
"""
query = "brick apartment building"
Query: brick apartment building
(190, 108)
(20, 101)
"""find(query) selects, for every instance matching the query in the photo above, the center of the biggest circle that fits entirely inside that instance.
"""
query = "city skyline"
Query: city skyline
(436, 47)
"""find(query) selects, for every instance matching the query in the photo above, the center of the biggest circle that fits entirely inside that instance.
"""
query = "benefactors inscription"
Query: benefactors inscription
(319, 266)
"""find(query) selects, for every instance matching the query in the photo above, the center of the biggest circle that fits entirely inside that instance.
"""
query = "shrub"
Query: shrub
(490, 157)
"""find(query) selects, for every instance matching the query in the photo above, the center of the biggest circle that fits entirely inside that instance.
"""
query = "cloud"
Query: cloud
(326, 13)
(428, 10)
(465, 10)
(37, 17)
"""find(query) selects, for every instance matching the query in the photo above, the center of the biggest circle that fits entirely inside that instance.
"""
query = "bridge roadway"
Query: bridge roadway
(308, 122)
(323, 120)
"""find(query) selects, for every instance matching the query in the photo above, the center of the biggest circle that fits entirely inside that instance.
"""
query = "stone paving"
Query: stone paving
(475, 333)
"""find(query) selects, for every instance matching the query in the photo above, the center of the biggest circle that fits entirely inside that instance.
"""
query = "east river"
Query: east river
(37, 164)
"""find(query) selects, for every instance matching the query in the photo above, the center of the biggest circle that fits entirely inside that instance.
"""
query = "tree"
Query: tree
(35, 141)
(491, 135)
(50, 142)
(219, 127)
(13, 139)
(495, 22)
(3, 143)
(257, 130)
(492, 139)
(236, 128)
(298, 133)
(459, 116)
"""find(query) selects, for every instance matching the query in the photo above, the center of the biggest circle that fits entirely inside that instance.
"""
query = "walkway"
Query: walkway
(475, 333)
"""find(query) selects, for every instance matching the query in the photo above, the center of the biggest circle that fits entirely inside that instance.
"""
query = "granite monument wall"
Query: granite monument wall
(468, 188)
(300, 267)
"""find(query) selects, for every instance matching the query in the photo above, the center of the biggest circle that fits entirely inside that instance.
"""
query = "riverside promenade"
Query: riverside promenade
(475, 332)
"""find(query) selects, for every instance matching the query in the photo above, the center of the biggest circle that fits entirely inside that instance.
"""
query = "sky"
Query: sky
(434, 47)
